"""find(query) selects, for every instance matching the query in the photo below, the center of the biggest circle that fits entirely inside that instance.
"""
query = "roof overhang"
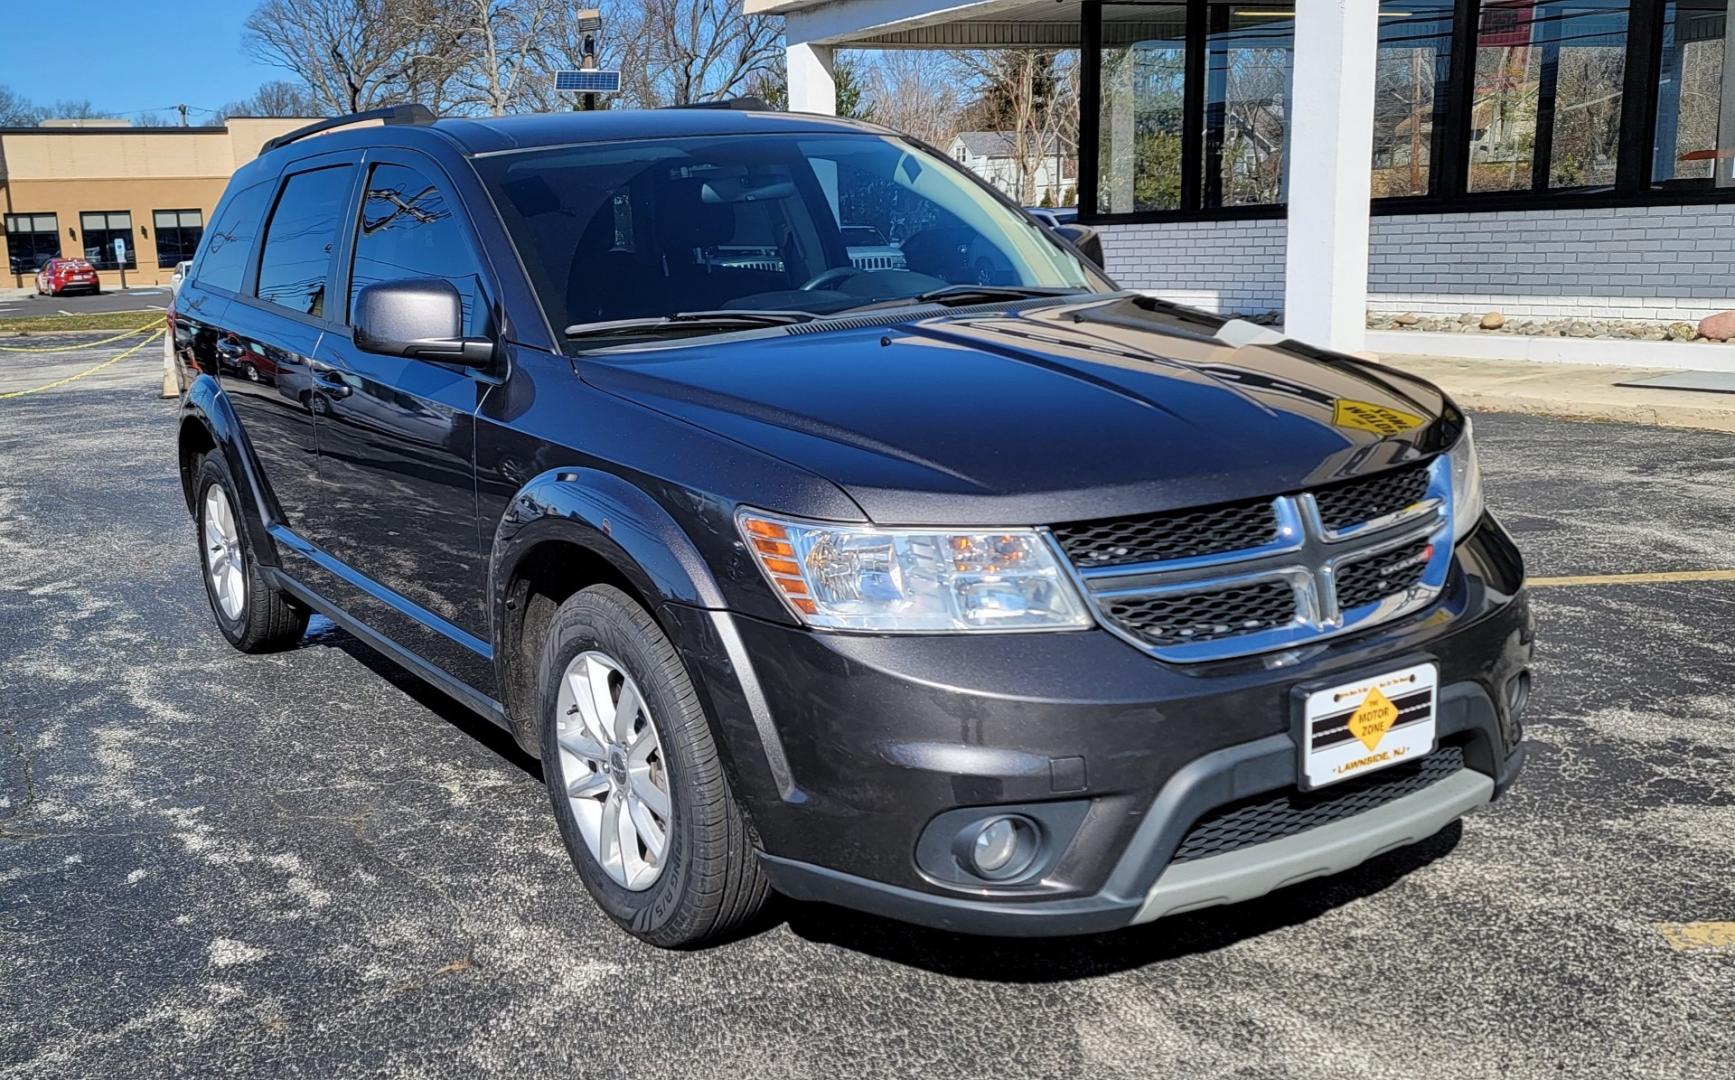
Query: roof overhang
(927, 24)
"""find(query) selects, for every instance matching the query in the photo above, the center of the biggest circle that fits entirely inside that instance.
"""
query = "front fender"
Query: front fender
(207, 405)
(605, 514)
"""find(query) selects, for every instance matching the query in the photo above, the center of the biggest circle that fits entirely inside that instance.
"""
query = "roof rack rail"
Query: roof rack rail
(391, 114)
(741, 104)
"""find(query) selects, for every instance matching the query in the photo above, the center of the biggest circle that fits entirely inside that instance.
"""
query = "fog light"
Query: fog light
(995, 846)
(1003, 847)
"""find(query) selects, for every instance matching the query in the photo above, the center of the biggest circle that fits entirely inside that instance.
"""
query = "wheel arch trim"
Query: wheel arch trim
(206, 405)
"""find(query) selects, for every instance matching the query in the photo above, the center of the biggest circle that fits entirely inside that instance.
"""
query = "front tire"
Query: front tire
(637, 784)
(254, 616)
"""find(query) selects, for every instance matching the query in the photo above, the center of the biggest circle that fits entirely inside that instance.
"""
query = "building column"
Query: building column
(812, 86)
(1325, 287)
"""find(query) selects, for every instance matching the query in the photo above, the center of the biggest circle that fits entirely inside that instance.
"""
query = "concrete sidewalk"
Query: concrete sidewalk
(1574, 391)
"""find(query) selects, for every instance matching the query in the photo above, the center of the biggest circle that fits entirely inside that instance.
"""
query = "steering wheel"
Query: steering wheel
(827, 278)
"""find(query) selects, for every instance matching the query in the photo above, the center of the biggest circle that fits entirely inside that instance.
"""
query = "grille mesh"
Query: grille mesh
(1177, 535)
(1355, 501)
(1205, 616)
(1367, 580)
(1285, 813)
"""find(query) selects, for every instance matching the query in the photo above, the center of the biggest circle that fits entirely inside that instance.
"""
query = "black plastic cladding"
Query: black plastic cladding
(1286, 813)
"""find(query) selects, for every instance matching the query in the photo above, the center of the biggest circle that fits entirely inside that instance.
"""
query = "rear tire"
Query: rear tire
(705, 882)
(254, 616)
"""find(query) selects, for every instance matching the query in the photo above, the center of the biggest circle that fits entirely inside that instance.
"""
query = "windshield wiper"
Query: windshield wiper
(688, 320)
(969, 294)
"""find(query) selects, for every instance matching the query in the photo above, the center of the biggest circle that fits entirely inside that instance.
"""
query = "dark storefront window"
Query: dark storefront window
(178, 233)
(1410, 94)
(1695, 134)
(1248, 53)
(31, 240)
(1144, 67)
(1478, 104)
(98, 233)
(1546, 110)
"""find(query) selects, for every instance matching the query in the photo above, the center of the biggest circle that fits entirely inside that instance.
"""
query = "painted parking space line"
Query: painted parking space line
(1632, 579)
(1693, 936)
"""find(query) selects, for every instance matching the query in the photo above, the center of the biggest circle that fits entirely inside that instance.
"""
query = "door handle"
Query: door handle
(229, 347)
(332, 384)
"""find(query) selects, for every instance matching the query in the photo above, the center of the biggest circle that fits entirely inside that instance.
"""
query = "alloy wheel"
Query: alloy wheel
(223, 558)
(613, 769)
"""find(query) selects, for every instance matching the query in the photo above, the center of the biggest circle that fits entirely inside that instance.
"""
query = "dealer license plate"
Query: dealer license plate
(1369, 724)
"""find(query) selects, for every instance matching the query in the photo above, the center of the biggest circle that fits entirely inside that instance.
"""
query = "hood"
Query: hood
(1105, 407)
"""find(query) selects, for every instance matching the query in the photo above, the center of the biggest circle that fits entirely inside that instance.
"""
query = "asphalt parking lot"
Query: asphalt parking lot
(219, 865)
(14, 305)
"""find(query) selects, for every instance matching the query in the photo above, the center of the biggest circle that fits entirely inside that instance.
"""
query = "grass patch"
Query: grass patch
(95, 320)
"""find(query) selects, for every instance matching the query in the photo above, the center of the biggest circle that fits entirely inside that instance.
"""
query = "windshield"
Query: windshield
(816, 224)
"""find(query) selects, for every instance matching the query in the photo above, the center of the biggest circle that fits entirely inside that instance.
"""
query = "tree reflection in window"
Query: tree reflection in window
(408, 230)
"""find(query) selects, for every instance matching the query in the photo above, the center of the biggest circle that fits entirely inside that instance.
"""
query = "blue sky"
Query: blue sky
(131, 55)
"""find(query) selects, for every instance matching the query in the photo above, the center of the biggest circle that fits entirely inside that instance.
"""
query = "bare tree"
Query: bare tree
(275, 98)
(1031, 95)
(500, 45)
(699, 50)
(17, 111)
(355, 54)
(76, 109)
(919, 92)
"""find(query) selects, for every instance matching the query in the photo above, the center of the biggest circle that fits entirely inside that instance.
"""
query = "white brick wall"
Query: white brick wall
(1659, 262)
(1225, 266)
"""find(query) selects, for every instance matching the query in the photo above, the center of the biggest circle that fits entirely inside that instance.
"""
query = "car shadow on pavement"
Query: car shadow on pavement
(325, 634)
(965, 956)
(1039, 960)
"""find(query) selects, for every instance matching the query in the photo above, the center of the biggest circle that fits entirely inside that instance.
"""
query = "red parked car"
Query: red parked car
(58, 276)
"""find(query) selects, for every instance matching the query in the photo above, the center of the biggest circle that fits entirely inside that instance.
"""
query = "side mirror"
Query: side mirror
(418, 318)
(1086, 239)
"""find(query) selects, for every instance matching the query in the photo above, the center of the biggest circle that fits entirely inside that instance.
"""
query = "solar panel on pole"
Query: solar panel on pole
(588, 81)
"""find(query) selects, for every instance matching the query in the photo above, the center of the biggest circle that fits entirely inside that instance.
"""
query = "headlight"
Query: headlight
(1466, 485)
(851, 577)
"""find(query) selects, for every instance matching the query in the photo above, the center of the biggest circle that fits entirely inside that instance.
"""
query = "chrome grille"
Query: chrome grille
(1246, 577)
(1376, 577)
(1179, 535)
(1353, 502)
(1204, 616)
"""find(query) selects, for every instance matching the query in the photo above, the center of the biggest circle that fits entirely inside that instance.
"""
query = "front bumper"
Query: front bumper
(849, 752)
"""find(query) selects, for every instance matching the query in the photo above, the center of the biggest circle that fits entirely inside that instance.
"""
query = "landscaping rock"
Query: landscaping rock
(1408, 318)
(1683, 331)
(1718, 327)
(1493, 321)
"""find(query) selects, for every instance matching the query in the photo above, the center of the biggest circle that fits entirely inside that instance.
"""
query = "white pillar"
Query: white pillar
(1325, 287)
(812, 87)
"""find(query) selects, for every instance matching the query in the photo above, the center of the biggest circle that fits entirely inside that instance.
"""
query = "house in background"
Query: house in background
(993, 155)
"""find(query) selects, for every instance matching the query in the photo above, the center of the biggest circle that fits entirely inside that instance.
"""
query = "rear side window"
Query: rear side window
(409, 230)
(296, 262)
(224, 261)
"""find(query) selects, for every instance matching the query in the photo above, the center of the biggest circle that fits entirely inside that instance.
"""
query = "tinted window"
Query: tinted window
(224, 262)
(102, 232)
(178, 233)
(298, 243)
(409, 230)
(631, 229)
(31, 240)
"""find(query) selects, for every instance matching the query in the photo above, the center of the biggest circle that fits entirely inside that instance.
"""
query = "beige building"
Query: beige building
(74, 189)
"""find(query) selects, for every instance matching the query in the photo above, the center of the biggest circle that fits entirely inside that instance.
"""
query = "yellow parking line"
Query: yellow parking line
(1698, 935)
(92, 370)
(1633, 579)
(81, 344)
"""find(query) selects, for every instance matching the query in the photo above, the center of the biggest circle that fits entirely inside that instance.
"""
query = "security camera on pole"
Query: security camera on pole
(587, 81)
